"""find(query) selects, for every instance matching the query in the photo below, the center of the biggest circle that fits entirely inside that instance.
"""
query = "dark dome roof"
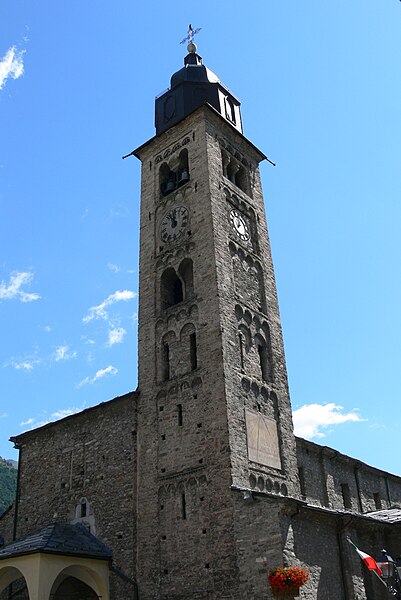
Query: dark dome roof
(193, 71)
(191, 87)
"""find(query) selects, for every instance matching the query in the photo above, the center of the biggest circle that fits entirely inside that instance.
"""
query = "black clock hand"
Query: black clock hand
(174, 221)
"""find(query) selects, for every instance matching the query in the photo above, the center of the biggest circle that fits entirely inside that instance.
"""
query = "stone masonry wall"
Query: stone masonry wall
(250, 316)
(193, 432)
(91, 456)
(7, 525)
(337, 481)
(185, 543)
(271, 533)
(274, 531)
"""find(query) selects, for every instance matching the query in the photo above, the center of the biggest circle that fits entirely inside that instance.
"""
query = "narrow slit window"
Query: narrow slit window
(193, 351)
(241, 349)
(346, 495)
(264, 362)
(183, 507)
(301, 474)
(166, 362)
(377, 499)
(230, 110)
(179, 414)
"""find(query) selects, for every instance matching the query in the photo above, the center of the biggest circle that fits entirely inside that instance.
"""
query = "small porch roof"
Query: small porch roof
(59, 538)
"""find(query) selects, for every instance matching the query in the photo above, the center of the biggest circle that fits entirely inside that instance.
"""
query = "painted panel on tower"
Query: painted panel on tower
(263, 446)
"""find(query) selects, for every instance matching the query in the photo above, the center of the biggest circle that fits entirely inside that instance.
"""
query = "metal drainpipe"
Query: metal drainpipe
(127, 579)
(342, 566)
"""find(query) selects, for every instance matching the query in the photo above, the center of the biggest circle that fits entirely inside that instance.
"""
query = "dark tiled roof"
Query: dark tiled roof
(59, 538)
(389, 515)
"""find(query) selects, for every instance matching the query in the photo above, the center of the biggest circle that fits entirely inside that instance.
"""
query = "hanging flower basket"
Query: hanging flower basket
(286, 581)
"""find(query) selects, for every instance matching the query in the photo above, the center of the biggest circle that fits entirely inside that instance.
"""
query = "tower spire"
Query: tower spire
(189, 38)
(191, 87)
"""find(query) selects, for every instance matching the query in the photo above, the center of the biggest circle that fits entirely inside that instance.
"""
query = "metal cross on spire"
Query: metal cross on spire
(190, 35)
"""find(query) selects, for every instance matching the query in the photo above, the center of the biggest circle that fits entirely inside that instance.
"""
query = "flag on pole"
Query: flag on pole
(368, 561)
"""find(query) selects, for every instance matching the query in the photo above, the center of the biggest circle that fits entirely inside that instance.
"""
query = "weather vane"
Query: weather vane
(190, 35)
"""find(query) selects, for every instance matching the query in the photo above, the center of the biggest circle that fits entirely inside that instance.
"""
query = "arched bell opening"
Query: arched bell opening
(265, 357)
(235, 171)
(171, 291)
(174, 174)
(241, 179)
(167, 180)
(185, 271)
(183, 169)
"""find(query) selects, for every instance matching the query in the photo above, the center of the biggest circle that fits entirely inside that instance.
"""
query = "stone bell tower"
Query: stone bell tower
(214, 416)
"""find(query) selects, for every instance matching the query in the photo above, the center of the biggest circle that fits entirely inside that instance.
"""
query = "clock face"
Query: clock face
(174, 223)
(240, 226)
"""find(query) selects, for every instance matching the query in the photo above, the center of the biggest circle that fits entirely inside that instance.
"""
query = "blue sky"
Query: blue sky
(320, 86)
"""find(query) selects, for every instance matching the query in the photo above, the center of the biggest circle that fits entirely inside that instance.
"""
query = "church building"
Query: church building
(194, 486)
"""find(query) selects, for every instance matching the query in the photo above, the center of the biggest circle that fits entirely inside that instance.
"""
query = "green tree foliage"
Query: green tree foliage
(8, 484)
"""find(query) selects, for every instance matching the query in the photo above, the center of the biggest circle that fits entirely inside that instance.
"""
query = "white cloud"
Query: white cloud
(13, 290)
(34, 422)
(3, 415)
(11, 65)
(113, 267)
(64, 412)
(27, 364)
(119, 211)
(99, 311)
(25, 37)
(62, 353)
(47, 328)
(311, 418)
(116, 336)
(110, 370)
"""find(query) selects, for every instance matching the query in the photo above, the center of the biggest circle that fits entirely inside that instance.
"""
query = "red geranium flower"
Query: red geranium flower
(287, 579)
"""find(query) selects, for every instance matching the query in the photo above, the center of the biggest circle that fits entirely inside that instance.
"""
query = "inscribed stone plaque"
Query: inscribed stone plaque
(262, 436)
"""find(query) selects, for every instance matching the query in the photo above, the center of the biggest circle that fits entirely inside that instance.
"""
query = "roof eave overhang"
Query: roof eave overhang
(55, 553)
(138, 151)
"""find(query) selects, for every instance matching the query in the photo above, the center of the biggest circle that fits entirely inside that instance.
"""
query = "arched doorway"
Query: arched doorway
(72, 588)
